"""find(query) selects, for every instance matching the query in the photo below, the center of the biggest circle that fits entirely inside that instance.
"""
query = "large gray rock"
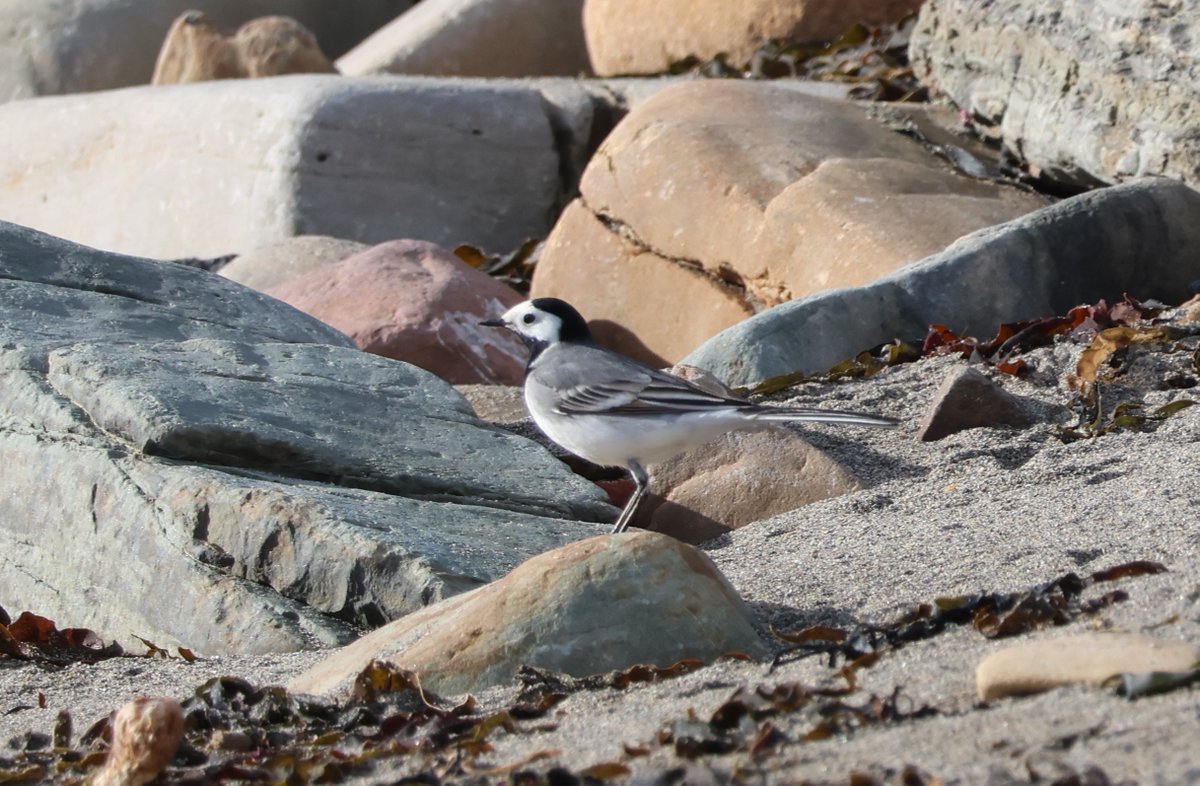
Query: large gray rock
(194, 462)
(224, 167)
(1085, 91)
(1139, 238)
(486, 38)
(50, 48)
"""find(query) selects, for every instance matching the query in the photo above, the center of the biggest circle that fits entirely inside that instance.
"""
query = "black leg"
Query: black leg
(641, 480)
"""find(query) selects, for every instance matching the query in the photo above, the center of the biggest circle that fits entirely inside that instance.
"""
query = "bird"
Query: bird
(616, 412)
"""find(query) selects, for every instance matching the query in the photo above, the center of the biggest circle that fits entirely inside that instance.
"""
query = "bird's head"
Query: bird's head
(544, 321)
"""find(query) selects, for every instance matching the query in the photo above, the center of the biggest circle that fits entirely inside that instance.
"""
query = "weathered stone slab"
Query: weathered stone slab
(1085, 92)
(186, 461)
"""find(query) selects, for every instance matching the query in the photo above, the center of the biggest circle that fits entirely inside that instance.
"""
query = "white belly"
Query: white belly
(614, 441)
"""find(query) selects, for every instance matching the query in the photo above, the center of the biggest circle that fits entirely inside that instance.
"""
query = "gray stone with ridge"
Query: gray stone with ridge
(1086, 92)
(1138, 238)
(193, 462)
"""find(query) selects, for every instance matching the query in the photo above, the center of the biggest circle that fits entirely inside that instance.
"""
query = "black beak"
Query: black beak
(493, 323)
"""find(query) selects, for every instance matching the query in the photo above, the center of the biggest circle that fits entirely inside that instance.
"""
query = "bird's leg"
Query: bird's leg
(640, 480)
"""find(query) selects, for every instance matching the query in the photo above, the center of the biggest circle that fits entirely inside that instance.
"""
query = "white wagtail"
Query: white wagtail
(614, 411)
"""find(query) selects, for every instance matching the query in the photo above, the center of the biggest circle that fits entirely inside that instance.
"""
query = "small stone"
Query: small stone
(969, 399)
(146, 733)
(230, 740)
(196, 51)
(1036, 666)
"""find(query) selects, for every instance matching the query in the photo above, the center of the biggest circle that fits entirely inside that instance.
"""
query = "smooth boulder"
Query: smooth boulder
(735, 196)
(596, 605)
(223, 167)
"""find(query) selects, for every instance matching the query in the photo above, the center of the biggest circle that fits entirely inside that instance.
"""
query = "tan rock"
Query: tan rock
(969, 399)
(631, 297)
(486, 38)
(596, 605)
(277, 45)
(1090, 658)
(760, 194)
(414, 301)
(274, 263)
(637, 37)
(146, 732)
(740, 478)
(195, 50)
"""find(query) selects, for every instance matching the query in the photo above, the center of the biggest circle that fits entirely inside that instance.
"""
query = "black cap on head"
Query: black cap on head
(574, 326)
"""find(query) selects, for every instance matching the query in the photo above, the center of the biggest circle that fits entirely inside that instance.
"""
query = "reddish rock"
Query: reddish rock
(414, 301)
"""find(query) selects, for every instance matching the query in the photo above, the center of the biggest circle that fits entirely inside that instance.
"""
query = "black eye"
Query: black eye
(529, 319)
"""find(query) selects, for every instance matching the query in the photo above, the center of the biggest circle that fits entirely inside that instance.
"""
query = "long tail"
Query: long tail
(819, 416)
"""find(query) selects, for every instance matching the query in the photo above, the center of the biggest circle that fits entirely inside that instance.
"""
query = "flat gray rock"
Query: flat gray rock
(193, 462)
(1139, 238)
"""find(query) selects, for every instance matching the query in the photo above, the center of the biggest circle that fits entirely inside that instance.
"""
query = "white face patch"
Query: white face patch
(528, 320)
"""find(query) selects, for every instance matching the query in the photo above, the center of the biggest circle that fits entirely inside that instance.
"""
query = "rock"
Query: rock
(634, 37)
(486, 38)
(413, 301)
(614, 283)
(278, 45)
(86, 45)
(1089, 658)
(224, 167)
(1135, 238)
(195, 50)
(1085, 94)
(202, 447)
(968, 399)
(495, 403)
(274, 263)
(596, 605)
(745, 195)
(146, 732)
(738, 479)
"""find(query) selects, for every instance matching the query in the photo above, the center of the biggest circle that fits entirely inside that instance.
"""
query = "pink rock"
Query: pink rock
(415, 301)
